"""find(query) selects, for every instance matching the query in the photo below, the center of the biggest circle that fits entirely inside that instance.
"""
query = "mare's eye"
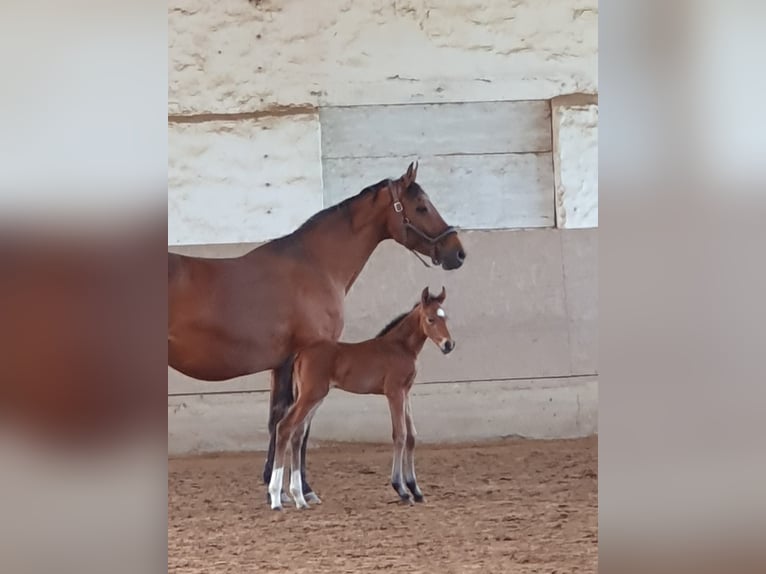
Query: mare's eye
(421, 209)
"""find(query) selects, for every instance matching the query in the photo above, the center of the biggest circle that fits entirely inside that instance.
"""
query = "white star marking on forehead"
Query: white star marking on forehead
(440, 312)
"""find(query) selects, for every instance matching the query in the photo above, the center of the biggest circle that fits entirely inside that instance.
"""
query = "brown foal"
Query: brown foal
(384, 365)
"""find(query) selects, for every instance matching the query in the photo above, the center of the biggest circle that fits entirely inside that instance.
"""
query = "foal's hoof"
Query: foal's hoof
(419, 498)
(312, 498)
(405, 500)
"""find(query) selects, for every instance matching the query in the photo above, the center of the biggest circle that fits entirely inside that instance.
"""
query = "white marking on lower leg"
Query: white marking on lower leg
(296, 488)
(275, 487)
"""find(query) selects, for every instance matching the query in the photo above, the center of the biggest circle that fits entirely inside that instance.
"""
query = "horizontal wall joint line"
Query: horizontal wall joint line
(419, 383)
(272, 112)
(450, 154)
(431, 103)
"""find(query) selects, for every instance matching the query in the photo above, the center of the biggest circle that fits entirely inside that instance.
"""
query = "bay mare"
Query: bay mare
(236, 316)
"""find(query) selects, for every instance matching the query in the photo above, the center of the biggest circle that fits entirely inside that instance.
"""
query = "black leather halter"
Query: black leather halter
(407, 224)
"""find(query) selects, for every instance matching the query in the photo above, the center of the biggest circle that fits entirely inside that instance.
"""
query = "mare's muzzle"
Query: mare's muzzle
(446, 249)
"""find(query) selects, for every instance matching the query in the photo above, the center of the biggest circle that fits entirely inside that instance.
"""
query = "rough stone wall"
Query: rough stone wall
(234, 56)
(575, 162)
(256, 87)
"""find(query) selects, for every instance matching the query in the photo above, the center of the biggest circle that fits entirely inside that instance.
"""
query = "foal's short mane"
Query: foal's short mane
(394, 322)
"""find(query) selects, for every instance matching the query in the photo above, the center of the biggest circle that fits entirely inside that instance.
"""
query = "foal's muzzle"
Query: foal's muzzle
(447, 346)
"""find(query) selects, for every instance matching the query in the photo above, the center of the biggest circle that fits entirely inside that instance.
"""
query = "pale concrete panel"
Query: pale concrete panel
(241, 181)
(180, 384)
(507, 308)
(499, 191)
(506, 305)
(436, 129)
(451, 412)
(575, 157)
(234, 56)
(580, 251)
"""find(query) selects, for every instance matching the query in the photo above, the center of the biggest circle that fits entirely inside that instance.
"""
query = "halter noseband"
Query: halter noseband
(399, 208)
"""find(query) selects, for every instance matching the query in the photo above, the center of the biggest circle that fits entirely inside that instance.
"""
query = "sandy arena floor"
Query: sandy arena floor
(511, 506)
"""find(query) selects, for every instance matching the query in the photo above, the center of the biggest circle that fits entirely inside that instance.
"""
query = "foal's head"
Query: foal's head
(433, 320)
(415, 223)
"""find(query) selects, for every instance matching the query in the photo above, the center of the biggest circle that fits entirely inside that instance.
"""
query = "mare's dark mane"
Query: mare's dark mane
(344, 205)
(288, 241)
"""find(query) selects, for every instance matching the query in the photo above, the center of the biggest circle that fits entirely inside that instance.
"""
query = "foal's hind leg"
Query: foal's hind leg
(308, 492)
(280, 399)
(409, 455)
(283, 434)
(290, 429)
(296, 483)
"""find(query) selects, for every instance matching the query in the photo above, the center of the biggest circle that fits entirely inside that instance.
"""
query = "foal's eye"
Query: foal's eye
(429, 320)
(421, 209)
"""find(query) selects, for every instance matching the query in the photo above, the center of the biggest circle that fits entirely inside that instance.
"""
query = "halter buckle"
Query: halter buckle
(398, 207)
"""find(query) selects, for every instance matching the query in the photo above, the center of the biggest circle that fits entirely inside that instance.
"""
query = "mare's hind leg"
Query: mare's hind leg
(409, 454)
(396, 405)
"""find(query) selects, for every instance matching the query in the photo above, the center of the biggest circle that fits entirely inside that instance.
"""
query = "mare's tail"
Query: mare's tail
(282, 395)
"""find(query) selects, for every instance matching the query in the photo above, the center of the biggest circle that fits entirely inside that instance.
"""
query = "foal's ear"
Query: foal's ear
(409, 177)
(425, 296)
(442, 296)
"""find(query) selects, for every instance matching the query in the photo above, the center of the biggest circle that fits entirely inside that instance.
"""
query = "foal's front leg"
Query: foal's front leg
(396, 405)
(409, 454)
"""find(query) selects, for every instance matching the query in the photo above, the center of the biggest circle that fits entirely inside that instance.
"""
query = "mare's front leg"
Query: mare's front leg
(396, 402)
(409, 454)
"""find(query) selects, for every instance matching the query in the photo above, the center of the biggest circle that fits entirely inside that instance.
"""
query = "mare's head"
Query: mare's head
(433, 320)
(415, 223)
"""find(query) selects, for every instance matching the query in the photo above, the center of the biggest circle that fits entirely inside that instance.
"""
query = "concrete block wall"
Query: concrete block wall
(279, 108)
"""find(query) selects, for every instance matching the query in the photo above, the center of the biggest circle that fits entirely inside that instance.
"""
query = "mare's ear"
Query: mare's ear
(424, 296)
(409, 177)
(442, 296)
